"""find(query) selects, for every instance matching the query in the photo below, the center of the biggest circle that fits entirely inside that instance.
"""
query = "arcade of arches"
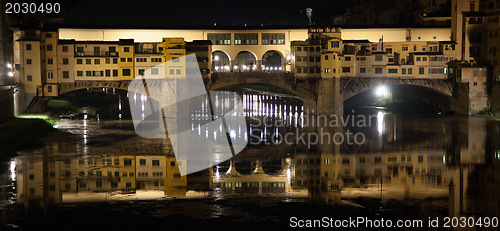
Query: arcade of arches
(246, 61)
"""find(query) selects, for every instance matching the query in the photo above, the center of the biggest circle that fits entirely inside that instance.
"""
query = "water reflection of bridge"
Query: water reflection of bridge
(257, 182)
(45, 181)
(459, 180)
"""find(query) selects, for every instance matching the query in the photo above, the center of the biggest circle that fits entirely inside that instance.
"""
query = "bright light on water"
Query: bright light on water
(13, 170)
(380, 122)
(381, 91)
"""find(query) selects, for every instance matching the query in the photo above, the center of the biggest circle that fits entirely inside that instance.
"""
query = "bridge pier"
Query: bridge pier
(330, 101)
(495, 97)
(6, 103)
(468, 99)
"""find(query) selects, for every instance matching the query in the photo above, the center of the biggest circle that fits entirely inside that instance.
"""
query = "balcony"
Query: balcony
(97, 54)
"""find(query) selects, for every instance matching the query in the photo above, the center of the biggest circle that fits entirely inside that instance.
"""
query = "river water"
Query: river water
(393, 167)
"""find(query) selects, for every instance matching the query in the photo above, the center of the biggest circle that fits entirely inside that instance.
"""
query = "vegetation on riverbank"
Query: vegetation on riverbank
(24, 133)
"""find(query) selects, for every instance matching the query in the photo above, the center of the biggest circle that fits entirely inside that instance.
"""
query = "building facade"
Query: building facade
(47, 58)
(326, 55)
(475, 29)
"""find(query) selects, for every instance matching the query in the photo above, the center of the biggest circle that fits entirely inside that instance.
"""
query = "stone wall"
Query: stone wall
(495, 97)
(6, 104)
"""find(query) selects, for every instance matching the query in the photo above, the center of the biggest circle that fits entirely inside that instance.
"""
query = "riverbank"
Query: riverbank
(24, 133)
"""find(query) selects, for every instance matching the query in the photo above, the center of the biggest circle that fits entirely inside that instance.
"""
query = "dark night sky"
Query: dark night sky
(191, 13)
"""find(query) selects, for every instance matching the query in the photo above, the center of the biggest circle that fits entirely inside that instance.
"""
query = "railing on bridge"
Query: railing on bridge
(260, 74)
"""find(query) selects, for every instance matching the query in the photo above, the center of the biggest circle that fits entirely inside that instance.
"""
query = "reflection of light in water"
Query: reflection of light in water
(232, 134)
(85, 131)
(217, 174)
(276, 132)
(13, 170)
(296, 120)
(380, 122)
(288, 170)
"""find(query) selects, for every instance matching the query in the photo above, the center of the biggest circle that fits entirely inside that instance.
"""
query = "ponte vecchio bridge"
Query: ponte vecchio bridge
(323, 66)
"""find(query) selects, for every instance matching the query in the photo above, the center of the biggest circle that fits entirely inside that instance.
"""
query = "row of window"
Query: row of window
(98, 61)
(311, 59)
(250, 185)
(98, 184)
(107, 73)
(404, 158)
(311, 49)
(108, 161)
(89, 173)
(377, 58)
(247, 38)
(100, 173)
(111, 49)
(475, 73)
(125, 72)
(440, 58)
(28, 47)
(310, 70)
(97, 50)
(378, 70)
(143, 174)
(81, 50)
(143, 162)
(418, 58)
